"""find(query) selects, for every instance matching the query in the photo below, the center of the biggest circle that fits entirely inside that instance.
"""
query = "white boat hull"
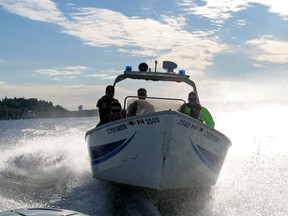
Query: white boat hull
(162, 150)
(41, 212)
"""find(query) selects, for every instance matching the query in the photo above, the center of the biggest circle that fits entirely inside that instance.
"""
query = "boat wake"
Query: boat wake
(39, 167)
(35, 172)
(41, 175)
(129, 200)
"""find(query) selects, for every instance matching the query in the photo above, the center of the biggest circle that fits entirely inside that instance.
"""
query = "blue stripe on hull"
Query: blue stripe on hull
(104, 152)
(210, 160)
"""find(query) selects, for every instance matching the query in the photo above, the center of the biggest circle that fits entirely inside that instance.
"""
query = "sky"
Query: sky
(68, 51)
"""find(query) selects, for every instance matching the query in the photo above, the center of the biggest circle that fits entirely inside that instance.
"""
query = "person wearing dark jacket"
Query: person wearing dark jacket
(104, 105)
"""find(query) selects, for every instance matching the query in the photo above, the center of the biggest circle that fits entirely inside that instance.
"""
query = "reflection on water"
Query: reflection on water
(126, 200)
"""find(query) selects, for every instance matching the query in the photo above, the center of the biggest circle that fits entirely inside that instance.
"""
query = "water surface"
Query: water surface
(45, 163)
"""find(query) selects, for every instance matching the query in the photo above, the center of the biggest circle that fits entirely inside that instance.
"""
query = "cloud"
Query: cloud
(257, 65)
(165, 39)
(79, 86)
(274, 51)
(66, 72)
(44, 10)
(279, 7)
(69, 77)
(54, 72)
(101, 27)
(102, 76)
(177, 22)
(97, 75)
(96, 27)
(217, 11)
(241, 23)
(77, 67)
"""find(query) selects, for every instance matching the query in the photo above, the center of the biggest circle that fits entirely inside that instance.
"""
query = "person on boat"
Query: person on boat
(104, 105)
(194, 109)
(116, 111)
(140, 106)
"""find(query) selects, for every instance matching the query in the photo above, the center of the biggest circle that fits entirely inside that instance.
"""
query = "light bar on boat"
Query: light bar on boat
(155, 76)
(182, 72)
(146, 74)
(128, 68)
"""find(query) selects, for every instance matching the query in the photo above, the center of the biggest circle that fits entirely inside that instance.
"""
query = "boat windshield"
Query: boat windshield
(150, 104)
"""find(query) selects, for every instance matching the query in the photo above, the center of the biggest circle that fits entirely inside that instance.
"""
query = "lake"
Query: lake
(45, 163)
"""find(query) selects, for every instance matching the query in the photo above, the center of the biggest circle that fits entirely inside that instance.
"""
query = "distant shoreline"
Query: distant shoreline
(21, 108)
(69, 114)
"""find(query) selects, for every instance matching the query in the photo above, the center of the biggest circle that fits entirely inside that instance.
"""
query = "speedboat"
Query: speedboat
(163, 149)
(41, 212)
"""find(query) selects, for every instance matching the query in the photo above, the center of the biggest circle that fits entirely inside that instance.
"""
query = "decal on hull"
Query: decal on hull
(104, 152)
(211, 161)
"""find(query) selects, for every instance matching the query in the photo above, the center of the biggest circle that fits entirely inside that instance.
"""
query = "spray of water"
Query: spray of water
(43, 165)
(48, 165)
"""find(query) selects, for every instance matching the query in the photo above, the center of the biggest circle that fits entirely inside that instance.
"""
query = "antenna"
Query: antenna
(156, 66)
(155, 49)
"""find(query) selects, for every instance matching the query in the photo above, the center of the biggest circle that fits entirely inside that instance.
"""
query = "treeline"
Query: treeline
(18, 108)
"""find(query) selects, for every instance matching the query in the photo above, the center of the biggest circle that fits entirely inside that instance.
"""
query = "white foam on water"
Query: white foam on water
(48, 165)
(44, 164)
(253, 180)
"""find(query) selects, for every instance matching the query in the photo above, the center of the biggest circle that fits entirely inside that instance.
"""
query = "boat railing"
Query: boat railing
(158, 103)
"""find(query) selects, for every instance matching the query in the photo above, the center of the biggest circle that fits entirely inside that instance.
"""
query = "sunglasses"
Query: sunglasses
(110, 91)
(192, 99)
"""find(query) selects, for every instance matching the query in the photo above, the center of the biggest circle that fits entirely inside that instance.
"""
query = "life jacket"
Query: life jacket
(195, 112)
